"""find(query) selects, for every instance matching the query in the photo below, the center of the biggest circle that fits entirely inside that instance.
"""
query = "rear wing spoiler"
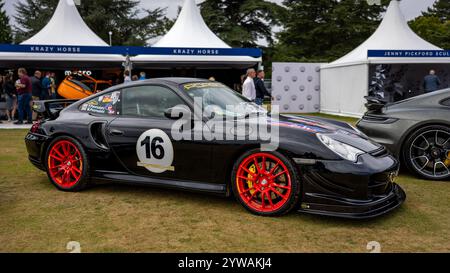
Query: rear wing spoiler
(374, 104)
(51, 108)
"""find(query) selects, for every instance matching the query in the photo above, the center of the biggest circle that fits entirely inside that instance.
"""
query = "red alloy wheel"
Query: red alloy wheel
(264, 182)
(65, 164)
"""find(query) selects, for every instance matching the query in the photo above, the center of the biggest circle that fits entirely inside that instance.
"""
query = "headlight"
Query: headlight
(345, 151)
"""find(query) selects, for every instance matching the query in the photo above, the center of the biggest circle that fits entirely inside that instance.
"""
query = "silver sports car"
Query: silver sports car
(416, 130)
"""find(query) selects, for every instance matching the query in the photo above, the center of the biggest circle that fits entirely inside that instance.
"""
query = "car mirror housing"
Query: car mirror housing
(177, 112)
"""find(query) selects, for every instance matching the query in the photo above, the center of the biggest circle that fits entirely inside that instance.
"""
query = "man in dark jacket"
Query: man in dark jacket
(36, 85)
(431, 82)
(36, 89)
(261, 89)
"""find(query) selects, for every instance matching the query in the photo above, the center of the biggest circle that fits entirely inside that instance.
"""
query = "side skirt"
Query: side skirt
(125, 178)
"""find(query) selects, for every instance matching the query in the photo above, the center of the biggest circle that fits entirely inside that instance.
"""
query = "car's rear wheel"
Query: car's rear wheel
(67, 164)
(266, 183)
(427, 152)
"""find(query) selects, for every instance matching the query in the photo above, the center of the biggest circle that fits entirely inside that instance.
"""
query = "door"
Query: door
(141, 138)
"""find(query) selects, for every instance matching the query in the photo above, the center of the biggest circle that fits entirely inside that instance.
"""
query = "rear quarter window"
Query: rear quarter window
(108, 104)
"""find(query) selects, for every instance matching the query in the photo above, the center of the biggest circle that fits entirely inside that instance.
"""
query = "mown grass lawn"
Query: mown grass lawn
(35, 217)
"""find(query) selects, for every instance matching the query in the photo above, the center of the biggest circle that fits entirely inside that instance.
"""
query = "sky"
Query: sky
(411, 8)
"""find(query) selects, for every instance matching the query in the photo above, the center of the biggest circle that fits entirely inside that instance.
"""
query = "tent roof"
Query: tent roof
(191, 31)
(199, 61)
(66, 27)
(392, 34)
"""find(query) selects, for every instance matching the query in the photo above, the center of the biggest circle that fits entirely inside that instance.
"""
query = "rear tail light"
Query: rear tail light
(36, 126)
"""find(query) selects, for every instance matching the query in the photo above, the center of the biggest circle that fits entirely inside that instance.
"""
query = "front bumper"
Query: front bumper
(361, 190)
(354, 209)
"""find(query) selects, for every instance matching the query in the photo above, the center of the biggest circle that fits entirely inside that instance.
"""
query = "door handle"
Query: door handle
(116, 132)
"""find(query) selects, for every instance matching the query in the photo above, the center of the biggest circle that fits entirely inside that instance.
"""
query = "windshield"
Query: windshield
(221, 100)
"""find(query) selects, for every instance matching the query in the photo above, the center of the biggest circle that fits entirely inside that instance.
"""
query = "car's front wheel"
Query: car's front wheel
(266, 183)
(427, 152)
(67, 164)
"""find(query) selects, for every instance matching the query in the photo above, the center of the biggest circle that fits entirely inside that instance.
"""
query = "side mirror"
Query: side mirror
(177, 112)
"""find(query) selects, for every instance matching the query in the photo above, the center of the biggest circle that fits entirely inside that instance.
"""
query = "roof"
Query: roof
(170, 80)
(66, 27)
(191, 31)
(392, 34)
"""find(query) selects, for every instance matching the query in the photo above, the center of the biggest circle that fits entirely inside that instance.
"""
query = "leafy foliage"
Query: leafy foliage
(5, 27)
(242, 23)
(434, 24)
(324, 30)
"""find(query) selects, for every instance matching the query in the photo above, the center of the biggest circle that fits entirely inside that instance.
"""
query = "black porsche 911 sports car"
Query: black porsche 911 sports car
(416, 130)
(125, 134)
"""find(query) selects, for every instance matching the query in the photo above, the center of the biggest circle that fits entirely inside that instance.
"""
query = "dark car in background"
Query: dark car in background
(416, 130)
(125, 134)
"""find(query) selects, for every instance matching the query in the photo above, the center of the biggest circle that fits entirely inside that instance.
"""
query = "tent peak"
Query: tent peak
(393, 33)
(66, 27)
(191, 31)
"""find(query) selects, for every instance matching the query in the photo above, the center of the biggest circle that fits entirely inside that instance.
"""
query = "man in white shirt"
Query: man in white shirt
(248, 88)
(126, 75)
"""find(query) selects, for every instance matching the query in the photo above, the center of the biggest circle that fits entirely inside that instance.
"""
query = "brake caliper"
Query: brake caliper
(250, 178)
(447, 161)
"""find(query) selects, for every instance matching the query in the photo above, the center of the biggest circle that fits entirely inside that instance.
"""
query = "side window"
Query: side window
(149, 101)
(108, 104)
(446, 102)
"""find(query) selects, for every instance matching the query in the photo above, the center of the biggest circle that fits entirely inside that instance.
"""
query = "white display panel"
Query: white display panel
(296, 87)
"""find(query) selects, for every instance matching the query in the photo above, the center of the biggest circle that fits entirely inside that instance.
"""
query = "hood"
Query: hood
(290, 126)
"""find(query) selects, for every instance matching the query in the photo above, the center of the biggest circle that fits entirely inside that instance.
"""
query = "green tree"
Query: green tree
(242, 23)
(5, 27)
(130, 25)
(434, 24)
(324, 30)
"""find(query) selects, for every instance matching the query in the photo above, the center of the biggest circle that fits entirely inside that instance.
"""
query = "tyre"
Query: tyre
(427, 152)
(266, 183)
(67, 164)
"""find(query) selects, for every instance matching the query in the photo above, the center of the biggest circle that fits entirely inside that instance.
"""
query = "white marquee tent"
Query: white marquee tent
(345, 82)
(65, 28)
(191, 31)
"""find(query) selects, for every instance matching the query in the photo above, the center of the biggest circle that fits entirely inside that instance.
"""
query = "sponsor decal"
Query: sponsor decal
(201, 85)
(95, 109)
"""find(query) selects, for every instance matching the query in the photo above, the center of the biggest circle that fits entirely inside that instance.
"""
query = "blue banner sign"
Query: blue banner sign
(409, 53)
(132, 51)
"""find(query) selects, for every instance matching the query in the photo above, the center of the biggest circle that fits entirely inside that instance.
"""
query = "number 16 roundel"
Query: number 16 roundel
(155, 151)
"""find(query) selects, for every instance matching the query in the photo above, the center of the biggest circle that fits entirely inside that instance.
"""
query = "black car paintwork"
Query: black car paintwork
(331, 186)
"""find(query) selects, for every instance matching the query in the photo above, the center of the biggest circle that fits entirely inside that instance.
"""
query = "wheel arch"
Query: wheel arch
(51, 138)
(413, 129)
(238, 154)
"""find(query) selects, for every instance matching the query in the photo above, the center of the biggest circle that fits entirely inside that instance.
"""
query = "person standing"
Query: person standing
(36, 90)
(11, 97)
(248, 88)
(143, 76)
(126, 75)
(431, 82)
(260, 87)
(24, 89)
(46, 87)
(53, 86)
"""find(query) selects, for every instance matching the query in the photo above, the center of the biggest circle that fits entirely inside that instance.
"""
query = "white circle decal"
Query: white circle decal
(155, 151)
